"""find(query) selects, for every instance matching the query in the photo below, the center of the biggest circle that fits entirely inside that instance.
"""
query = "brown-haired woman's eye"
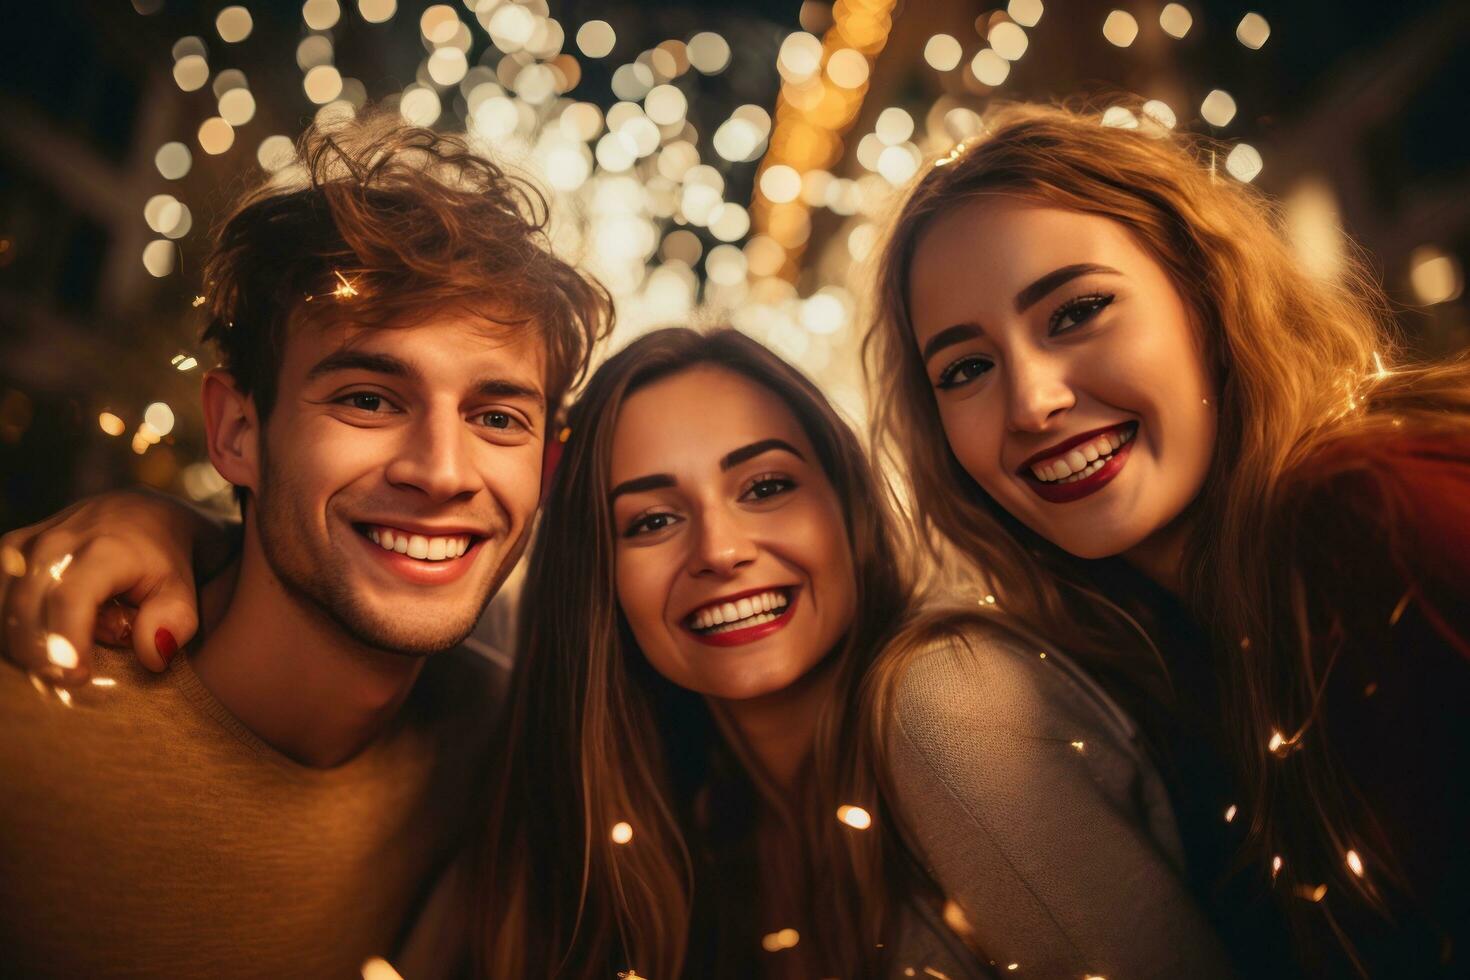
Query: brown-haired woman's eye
(765, 487)
(963, 371)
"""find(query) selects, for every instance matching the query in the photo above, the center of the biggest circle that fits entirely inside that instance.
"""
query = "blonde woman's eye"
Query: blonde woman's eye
(963, 371)
(1075, 312)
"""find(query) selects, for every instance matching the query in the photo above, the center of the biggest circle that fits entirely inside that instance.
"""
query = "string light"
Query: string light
(622, 832)
(855, 817)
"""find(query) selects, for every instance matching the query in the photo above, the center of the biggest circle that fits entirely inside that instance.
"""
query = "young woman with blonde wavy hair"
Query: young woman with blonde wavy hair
(1213, 478)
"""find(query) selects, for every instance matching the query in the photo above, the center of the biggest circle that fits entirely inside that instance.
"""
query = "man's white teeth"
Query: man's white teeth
(1080, 462)
(741, 613)
(418, 545)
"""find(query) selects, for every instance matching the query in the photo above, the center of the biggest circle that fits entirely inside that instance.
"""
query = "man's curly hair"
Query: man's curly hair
(415, 222)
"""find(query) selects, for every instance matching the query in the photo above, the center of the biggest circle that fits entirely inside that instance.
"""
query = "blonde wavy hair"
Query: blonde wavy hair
(1299, 362)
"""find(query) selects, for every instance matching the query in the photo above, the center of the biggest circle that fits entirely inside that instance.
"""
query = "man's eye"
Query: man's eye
(364, 400)
(497, 420)
(649, 523)
(963, 371)
(769, 486)
(1076, 312)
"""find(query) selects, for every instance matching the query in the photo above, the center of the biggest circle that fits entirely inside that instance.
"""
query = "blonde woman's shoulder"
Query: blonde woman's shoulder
(1027, 797)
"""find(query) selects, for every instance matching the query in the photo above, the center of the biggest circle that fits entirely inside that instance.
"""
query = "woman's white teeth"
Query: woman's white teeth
(1082, 461)
(418, 545)
(739, 614)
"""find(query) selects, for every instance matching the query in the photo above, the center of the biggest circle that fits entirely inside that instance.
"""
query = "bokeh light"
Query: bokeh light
(1120, 28)
(1252, 31)
(233, 24)
(942, 52)
(1218, 108)
(1176, 20)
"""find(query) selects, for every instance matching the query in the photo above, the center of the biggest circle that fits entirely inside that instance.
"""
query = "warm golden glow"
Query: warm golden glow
(1008, 40)
(622, 832)
(111, 424)
(1355, 863)
(1230, 813)
(855, 817)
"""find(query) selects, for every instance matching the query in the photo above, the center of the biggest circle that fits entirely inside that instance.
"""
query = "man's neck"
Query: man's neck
(293, 676)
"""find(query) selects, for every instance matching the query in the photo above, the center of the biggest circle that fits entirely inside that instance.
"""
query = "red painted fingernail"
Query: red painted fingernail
(167, 645)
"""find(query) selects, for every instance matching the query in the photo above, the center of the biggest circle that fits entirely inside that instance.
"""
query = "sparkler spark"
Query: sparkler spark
(346, 290)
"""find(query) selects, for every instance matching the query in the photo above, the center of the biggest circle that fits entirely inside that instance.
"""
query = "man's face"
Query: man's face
(400, 469)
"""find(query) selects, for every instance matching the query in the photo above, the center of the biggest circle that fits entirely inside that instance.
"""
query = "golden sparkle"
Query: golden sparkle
(1355, 863)
(854, 816)
(622, 832)
(58, 568)
(1230, 813)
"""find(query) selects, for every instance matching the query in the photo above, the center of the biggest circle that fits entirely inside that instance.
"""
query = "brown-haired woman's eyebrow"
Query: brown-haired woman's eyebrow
(949, 336)
(654, 481)
(737, 456)
(1034, 293)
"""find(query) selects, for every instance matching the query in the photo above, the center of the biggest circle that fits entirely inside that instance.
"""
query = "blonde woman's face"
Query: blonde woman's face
(1067, 373)
(734, 569)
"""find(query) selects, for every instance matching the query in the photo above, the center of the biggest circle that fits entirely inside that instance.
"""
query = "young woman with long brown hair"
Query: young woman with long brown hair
(719, 657)
(1211, 476)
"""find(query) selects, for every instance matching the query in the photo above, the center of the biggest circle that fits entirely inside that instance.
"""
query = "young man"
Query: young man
(394, 337)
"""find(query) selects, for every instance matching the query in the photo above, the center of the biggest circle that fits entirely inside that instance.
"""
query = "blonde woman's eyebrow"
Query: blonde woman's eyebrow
(1034, 293)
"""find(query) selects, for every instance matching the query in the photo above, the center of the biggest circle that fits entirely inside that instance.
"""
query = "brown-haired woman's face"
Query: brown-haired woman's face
(734, 569)
(1066, 370)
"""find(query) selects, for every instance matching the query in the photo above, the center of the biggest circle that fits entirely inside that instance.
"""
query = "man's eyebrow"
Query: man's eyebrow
(1033, 293)
(359, 360)
(505, 388)
(737, 456)
(654, 481)
(949, 336)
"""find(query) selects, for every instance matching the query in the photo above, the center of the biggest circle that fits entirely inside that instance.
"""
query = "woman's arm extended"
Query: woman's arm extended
(61, 575)
(1026, 801)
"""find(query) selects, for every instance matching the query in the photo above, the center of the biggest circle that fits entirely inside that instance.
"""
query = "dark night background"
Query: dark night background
(1358, 111)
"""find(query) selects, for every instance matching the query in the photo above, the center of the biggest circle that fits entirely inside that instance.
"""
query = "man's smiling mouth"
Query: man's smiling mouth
(424, 547)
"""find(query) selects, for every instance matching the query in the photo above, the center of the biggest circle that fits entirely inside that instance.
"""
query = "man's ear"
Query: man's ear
(232, 429)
